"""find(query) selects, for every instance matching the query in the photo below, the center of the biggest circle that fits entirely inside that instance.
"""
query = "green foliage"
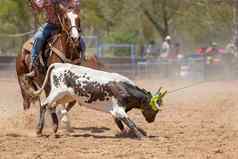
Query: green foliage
(121, 37)
(14, 18)
(128, 21)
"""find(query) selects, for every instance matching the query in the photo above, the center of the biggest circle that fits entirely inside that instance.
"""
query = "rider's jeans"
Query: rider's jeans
(82, 46)
(40, 38)
(45, 32)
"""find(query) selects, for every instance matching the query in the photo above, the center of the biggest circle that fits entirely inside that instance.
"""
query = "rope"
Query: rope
(60, 54)
(17, 35)
(186, 87)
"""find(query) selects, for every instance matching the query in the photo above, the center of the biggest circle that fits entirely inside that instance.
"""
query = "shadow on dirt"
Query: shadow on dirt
(93, 129)
(94, 136)
(117, 136)
(96, 132)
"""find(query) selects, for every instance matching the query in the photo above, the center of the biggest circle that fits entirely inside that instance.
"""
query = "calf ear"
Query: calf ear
(158, 92)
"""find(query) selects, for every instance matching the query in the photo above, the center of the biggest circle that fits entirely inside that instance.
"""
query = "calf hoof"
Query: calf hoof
(142, 131)
(139, 135)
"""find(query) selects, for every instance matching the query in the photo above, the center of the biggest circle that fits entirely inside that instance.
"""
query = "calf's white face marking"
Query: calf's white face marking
(74, 31)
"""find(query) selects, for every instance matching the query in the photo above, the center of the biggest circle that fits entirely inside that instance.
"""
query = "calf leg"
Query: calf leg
(119, 124)
(50, 100)
(119, 113)
(133, 127)
(64, 117)
(70, 105)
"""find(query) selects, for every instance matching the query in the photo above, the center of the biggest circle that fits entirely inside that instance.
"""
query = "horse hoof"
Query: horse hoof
(39, 134)
(56, 136)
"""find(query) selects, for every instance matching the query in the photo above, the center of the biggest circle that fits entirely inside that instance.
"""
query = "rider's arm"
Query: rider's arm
(76, 3)
(73, 4)
(38, 4)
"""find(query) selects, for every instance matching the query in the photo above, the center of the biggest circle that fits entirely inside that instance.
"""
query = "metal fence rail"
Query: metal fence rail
(186, 69)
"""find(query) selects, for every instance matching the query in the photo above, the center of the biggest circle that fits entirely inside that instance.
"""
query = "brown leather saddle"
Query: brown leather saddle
(43, 55)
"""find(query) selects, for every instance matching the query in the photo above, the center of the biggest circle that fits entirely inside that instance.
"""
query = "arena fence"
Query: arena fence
(186, 69)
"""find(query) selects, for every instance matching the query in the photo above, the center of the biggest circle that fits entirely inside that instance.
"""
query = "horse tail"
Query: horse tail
(38, 92)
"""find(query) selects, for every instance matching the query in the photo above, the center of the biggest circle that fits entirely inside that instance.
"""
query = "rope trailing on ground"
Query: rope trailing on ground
(17, 35)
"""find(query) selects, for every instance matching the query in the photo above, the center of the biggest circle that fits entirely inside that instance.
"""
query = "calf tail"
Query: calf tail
(38, 92)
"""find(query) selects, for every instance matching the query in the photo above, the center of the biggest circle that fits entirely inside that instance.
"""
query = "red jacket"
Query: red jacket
(48, 7)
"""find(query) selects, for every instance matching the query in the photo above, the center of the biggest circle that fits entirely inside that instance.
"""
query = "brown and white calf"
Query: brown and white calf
(109, 92)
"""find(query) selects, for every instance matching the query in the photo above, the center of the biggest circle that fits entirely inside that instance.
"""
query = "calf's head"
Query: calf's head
(152, 106)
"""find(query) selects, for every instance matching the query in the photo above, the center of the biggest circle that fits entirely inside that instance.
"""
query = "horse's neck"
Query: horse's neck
(60, 43)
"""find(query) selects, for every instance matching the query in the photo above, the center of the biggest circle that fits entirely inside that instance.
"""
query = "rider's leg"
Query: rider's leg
(82, 48)
(39, 40)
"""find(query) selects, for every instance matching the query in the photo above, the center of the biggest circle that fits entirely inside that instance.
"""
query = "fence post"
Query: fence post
(133, 54)
(99, 50)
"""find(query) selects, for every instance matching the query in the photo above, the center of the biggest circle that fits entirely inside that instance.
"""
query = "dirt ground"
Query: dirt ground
(196, 123)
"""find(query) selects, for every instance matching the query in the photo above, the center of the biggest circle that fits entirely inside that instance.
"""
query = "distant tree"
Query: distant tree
(161, 13)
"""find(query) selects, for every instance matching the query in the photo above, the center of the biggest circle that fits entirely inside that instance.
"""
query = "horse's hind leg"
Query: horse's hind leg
(25, 95)
(54, 120)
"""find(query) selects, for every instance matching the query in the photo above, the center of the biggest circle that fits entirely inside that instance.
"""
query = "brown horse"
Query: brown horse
(62, 47)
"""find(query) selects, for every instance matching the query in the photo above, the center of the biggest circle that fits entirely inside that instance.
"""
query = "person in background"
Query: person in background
(212, 49)
(166, 47)
(211, 52)
(231, 49)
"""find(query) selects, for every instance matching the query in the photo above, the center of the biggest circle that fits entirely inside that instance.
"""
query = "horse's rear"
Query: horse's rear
(22, 69)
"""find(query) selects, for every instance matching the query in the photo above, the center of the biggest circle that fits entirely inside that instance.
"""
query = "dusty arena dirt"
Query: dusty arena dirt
(196, 123)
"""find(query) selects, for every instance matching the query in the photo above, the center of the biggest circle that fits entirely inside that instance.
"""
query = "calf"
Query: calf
(110, 92)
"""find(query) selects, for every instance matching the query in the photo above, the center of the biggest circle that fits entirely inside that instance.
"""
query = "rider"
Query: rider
(50, 27)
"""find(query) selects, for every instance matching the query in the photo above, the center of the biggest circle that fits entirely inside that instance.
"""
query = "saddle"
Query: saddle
(48, 48)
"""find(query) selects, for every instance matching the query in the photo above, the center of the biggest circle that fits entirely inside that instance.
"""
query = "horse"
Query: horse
(61, 48)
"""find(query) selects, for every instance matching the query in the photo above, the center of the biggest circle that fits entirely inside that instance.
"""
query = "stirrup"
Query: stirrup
(31, 74)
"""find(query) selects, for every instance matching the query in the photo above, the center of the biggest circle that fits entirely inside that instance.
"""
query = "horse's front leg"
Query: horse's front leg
(41, 121)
